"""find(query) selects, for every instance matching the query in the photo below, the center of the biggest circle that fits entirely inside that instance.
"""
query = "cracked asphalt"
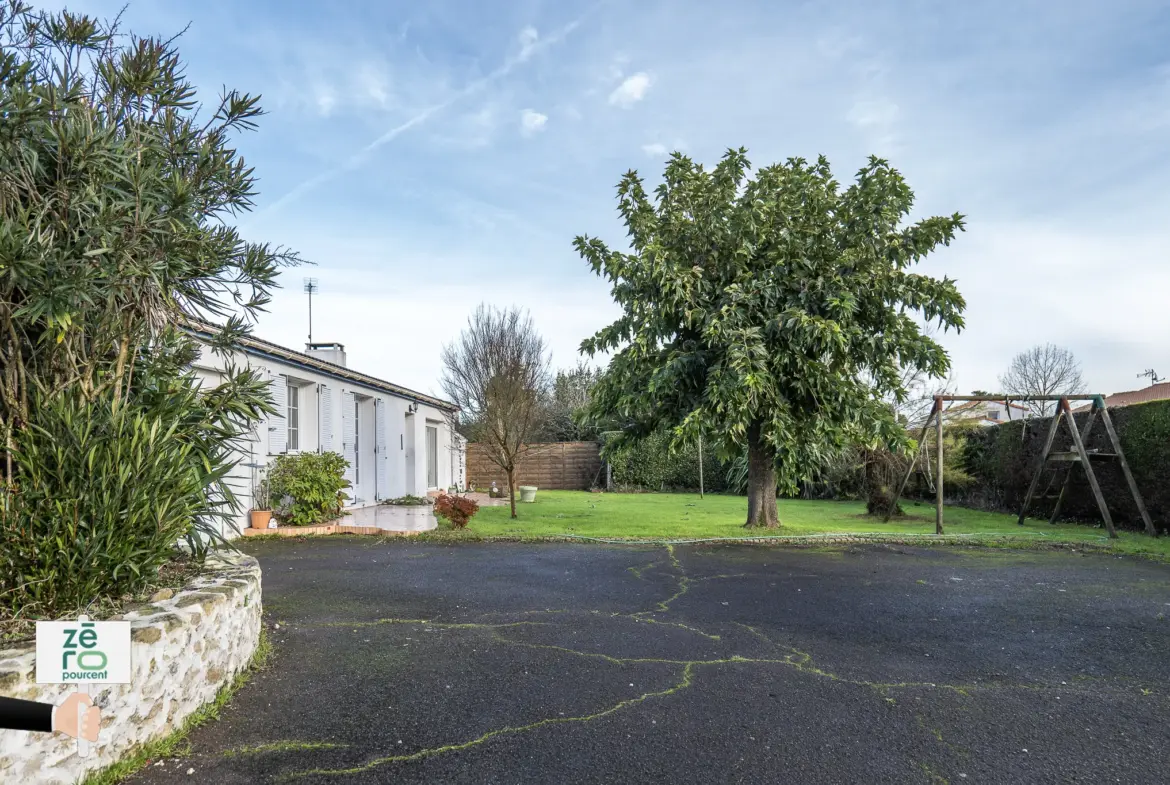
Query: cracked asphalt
(511, 663)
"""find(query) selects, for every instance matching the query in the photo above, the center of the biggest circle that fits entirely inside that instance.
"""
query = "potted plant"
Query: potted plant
(261, 515)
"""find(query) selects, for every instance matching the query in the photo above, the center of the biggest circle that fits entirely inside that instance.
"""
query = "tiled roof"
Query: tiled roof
(1155, 392)
(253, 345)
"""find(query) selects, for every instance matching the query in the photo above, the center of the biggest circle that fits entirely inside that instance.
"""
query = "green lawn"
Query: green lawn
(685, 516)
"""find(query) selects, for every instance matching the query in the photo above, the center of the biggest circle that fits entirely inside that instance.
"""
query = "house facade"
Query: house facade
(984, 413)
(396, 441)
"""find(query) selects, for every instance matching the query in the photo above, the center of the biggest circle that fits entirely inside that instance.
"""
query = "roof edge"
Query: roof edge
(253, 345)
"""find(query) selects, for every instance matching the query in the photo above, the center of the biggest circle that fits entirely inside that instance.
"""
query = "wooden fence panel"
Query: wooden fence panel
(559, 466)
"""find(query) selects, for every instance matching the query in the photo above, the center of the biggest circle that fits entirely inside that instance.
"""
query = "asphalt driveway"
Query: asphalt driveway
(505, 663)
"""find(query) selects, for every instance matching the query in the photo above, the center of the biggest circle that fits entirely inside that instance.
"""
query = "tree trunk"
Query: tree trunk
(512, 490)
(762, 510)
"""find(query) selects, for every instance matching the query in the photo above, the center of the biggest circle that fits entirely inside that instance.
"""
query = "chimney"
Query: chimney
(329, 352)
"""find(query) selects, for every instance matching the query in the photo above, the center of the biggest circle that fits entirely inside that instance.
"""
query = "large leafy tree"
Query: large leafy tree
(775, 314)
(117, 190)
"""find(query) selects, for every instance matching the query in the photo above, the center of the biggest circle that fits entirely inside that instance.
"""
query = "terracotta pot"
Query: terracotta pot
(261, 518)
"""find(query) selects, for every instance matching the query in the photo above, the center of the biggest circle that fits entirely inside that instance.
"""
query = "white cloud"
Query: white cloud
(324, 98)
(655, 149)
(632, 90)
(373, 85)
(528, 38)
(532, 122)
(873, 114)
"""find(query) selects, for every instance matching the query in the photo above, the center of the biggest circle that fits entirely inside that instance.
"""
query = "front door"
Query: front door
(357, 444)
(432, 457)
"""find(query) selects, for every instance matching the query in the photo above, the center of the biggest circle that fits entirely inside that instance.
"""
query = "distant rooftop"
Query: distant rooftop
(1155, 392)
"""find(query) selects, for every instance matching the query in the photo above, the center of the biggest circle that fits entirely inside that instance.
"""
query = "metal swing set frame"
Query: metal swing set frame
(1078, 455)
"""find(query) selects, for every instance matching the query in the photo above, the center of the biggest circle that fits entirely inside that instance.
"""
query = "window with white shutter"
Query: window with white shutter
(349, 441)
(292, 440)
(277, 425)
(325, 423)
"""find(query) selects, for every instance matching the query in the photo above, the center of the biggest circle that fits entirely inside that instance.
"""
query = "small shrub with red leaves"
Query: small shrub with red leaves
(458, 510)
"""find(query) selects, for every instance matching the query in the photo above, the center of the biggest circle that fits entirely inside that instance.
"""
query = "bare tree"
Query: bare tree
(1043, 370)
(497, 372)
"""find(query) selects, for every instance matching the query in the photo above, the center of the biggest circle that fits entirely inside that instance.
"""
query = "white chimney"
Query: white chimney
(329, 352)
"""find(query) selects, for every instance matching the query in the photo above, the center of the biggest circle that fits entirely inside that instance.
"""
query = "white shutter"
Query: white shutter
(277, 423)
(381, 453)
(348, 438)
(325, 425)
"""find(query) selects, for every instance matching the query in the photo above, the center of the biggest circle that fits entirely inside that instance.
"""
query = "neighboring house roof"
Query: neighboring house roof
(260, 347)
(968, 411)
(974, 404)
(1155, 392)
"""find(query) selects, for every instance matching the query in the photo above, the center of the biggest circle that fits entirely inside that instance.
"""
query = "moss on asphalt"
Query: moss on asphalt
(175, 744)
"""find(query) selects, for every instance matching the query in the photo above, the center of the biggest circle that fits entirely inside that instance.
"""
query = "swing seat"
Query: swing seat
(1073, 457)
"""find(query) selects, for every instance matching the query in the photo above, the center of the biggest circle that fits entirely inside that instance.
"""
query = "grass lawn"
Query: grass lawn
(686, 516)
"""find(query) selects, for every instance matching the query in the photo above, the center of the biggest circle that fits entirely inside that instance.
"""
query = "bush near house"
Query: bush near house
(103, 495)
(308, 488)
(457, 510)
(119, 188)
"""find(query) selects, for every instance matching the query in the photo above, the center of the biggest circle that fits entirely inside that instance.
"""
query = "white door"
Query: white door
(349, 441)
(408, 455)
(432, 457)
(357, 446)
(381, 452)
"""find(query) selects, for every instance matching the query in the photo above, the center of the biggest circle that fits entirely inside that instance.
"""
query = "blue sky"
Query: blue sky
(430, 155)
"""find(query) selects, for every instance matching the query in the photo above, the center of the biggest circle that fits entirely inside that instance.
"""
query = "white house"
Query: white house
(397, 441)
(984, 412)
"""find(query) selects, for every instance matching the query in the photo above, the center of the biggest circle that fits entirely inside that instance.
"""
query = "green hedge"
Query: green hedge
(650, 465)
(1002, 460)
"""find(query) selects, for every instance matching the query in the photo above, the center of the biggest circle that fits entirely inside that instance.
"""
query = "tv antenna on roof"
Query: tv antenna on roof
(311, 288)
(1154, 378)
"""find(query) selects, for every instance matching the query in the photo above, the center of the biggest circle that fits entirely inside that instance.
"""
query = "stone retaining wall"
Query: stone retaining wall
(185, 648)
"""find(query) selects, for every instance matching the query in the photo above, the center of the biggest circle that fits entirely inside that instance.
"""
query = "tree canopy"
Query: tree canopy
(776, 313)
(567, 399)
(118, 190)
(497, 374)
(1045, 369)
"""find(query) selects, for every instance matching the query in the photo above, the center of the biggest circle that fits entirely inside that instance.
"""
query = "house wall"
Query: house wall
(988, 413)
(404, 454)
